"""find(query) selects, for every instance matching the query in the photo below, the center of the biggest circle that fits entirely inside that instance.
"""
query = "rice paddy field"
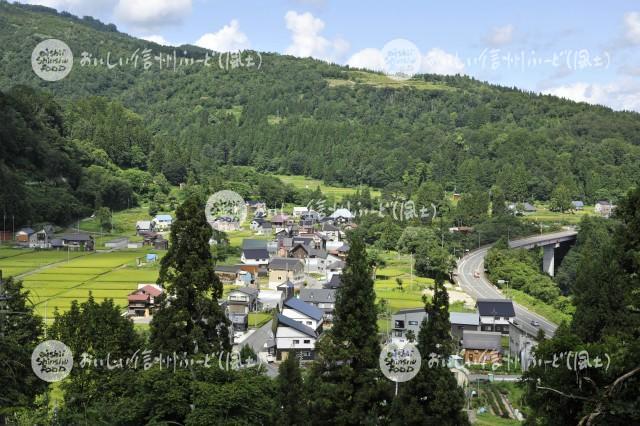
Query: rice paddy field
(55, 278)
(544, 215)
(386, 286)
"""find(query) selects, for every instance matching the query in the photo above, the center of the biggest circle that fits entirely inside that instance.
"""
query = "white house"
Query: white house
(342, 215)
(270, 299)
(294, 339)
(330, 232)
(299, 211)
(495, 314)
(303, 312)
(144, 226)
(162, 222)
(604, 208)
(258, 256)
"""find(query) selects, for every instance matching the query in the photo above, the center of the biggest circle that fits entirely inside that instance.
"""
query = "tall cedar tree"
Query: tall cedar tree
(346, 385)
(100, 331)
(20, 330)
(606, 323)
(433, 396)
(291, 393)
(189, 318)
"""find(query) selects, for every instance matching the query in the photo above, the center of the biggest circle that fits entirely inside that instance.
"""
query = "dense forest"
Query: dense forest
(303, 116)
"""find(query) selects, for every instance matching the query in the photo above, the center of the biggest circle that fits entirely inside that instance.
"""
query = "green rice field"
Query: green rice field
(55, 278)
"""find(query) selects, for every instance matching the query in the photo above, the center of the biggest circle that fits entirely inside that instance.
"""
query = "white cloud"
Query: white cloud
(307, 41)
(156, 38)
(499, 36)
(79, 7)
(148, 14)
(623, 94)
(437, 61)
(228, 39)
(632, 27)
(369, 58)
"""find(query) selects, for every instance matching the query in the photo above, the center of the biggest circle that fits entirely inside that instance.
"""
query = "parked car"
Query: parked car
(271, 358)
(514, 322)
(535, 323)
(476, 274)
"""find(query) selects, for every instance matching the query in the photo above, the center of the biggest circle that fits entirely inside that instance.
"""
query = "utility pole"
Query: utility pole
(411, 285)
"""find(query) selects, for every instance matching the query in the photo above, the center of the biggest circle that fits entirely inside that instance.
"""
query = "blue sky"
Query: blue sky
(582, 50)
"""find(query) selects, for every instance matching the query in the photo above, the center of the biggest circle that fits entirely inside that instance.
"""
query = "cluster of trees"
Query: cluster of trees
(522, 270)
(57, 165)
(603, 278)
(286, 117)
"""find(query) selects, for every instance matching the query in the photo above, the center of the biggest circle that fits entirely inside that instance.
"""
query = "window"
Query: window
(497, 318)
(399, 324)
(398, 333)
(296, 341)
(307, 341)
(308, 322)
(413, 322)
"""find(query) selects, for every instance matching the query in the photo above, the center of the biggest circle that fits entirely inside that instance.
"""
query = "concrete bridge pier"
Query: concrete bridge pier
(549, 258)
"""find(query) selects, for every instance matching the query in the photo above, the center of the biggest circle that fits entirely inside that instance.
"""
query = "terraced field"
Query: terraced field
(336, 192)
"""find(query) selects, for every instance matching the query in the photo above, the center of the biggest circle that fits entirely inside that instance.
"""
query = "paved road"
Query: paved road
(496, 377)
(256, 341)
(542, 239)
(481, 287)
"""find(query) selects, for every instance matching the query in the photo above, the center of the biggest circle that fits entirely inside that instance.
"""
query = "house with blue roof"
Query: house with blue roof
(304, 313)
(162, 222)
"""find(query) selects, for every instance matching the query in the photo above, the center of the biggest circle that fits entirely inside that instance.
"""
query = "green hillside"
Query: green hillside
(306, 117)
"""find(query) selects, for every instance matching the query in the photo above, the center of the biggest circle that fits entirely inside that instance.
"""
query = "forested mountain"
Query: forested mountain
(304, 116)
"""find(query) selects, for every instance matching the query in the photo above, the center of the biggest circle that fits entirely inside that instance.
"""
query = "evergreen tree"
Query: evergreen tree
(189, 317)
(20, 329)
(606, 324)
(346, 385)
(596, 302)
(291, 393)
(101, 332)
(433, 396)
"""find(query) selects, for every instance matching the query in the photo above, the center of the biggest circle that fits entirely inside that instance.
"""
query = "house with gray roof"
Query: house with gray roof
(405, 321)
(461, 321)
(282, 269)
(481, 347)
(334, 282)
(322, 298)
(240, 302)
